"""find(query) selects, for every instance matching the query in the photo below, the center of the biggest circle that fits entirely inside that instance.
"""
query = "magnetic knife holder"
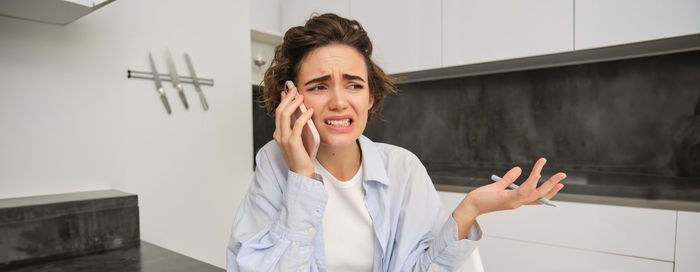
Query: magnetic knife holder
(166, 77)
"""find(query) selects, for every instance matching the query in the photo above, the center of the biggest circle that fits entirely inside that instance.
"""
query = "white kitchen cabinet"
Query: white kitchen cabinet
(688, 242)
(612, 22)
(506, 255)
(475, 31)
(415, 35)
(60, 12)
(265, 16)
(630, 231)
(296, 12)
(406, 34)
(639, 232)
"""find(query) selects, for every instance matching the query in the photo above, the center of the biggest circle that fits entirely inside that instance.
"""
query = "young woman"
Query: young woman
(359, 205)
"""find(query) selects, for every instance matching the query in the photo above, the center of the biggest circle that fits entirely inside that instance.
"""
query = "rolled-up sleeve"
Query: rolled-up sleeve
(454, 250)
(275, 225)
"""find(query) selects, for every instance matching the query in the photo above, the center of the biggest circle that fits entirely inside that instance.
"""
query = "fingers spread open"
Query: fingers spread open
(509, 177)
(547, 187)
(554, 191)
(531, 182)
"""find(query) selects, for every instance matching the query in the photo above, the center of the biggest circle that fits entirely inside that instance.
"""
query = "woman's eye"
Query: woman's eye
(356, 86)
(317, 88)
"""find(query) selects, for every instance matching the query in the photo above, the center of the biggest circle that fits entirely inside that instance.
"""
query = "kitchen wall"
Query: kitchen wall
(72, 121)
(635, 116)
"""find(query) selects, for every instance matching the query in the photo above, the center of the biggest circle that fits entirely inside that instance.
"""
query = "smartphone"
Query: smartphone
(309, 134)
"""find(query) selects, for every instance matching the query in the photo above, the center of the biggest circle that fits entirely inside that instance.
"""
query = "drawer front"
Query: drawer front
(688, 242)
(505, 255)
(641, 232)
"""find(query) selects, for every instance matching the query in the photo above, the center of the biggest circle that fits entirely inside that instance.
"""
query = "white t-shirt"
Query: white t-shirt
(347, 226)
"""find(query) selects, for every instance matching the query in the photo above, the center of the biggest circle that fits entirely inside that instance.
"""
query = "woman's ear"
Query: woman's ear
(371, 101)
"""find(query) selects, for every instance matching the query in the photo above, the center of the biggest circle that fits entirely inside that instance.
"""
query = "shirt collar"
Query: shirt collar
(372, 162)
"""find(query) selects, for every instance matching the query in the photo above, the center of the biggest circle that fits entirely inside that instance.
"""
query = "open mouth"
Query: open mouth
(339, 122)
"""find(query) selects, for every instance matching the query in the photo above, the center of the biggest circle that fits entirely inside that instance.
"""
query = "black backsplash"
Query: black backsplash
(637, 116)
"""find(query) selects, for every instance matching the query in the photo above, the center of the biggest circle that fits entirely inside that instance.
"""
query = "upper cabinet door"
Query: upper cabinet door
(610, 22)
(477, 31)
(296, 12)
(405, 34)
(687, 242)
(265, 16)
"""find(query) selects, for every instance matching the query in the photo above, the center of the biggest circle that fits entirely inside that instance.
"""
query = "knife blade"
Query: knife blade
(159, 85)
(176, 79)
(195, 80)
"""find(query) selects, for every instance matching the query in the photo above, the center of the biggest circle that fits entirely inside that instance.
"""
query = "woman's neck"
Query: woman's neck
(341, 162)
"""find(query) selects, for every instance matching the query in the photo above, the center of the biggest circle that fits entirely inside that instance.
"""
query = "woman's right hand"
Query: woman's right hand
(288, 137)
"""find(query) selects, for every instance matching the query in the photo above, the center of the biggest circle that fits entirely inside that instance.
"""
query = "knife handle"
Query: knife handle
(204, 100)
(183, 98)
(165, 103)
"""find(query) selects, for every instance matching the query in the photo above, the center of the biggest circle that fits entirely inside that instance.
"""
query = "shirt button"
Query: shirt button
(301, 268)
(434, 266)
(312, 230)
(318, 262)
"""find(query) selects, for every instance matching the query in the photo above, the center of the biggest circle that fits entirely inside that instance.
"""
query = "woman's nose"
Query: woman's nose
(338, 100)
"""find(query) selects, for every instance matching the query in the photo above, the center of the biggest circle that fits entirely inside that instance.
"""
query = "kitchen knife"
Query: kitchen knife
(176, 79)
(159, 85)
(195, 80)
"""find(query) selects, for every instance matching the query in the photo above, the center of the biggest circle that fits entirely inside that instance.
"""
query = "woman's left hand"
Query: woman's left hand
(495, 196)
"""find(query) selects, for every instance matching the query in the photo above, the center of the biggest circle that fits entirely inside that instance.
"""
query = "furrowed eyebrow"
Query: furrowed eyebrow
(328, 77)
(352, 77)
(318, 79)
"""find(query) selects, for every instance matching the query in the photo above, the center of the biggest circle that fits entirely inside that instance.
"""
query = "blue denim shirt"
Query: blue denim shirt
(278, 225)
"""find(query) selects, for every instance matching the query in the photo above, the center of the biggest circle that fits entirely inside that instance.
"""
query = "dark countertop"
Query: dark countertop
(60, 226)
(60, 198)
(145, 257)
(673, 193)
(33, 208)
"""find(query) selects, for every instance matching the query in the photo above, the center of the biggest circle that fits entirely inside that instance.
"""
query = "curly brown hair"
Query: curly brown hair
(322, 30)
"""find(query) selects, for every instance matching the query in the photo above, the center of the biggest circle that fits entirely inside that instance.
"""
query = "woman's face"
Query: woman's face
(333, 81)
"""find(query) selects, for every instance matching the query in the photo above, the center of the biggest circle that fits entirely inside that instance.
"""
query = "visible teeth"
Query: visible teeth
(345, 122)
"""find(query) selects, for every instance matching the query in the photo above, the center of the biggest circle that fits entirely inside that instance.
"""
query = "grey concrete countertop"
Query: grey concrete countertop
(56, 227)
(142, 258)
(49, 206)
(59, 198)
(610, 189)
